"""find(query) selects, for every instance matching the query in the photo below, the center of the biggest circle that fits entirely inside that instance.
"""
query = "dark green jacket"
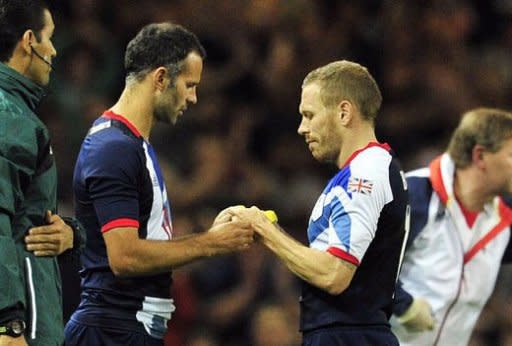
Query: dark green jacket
(30, 287)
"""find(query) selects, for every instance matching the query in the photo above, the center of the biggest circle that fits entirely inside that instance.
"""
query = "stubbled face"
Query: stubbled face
(38, 70)
(174, 101)
(319, 126)
(499, 169)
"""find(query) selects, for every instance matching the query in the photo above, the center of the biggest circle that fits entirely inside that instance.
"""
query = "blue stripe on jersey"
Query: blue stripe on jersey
(316, 227)
(334, 210)
(340, 179)
(341, 222)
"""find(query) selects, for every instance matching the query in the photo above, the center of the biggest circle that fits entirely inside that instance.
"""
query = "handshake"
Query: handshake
(236, 228)
(238, 211)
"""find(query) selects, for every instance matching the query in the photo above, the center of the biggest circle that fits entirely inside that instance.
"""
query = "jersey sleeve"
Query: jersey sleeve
(357, 202)
(112, 176)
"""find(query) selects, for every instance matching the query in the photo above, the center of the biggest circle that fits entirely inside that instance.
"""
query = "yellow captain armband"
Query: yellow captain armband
(271, 215)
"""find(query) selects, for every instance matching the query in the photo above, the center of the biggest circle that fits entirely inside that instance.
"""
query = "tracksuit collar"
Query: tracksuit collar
(21, 87)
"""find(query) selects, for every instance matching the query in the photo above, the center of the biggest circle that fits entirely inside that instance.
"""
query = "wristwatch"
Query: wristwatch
(13, 328)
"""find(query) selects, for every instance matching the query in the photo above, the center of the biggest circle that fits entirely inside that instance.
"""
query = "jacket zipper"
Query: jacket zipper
(33, 308)
(457, 296)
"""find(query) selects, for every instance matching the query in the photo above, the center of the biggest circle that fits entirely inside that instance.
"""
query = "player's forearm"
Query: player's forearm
(318, 268)
(147, 257)
(129, 255)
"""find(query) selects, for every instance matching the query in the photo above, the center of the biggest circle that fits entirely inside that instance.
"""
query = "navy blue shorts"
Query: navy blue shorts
(78, 334)
(350, 336)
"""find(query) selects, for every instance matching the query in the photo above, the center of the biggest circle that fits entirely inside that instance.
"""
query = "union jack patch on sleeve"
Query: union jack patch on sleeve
(358, 185)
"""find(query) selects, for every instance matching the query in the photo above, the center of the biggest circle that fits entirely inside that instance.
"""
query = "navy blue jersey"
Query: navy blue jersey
(117, 183)
(360, 218)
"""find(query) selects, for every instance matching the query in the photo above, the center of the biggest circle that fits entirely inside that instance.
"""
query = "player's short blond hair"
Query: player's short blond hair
(347, 80)
(488, 127)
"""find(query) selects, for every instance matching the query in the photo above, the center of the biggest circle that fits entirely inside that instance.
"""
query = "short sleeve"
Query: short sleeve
(112, 174)
(356, 206)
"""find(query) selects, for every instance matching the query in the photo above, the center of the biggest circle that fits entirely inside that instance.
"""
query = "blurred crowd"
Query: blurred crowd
(433, 59)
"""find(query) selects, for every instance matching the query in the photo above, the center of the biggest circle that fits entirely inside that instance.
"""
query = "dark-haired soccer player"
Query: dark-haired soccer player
(122, 201)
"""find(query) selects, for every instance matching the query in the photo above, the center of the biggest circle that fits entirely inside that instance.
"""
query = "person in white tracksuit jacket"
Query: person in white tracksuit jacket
(460, 232)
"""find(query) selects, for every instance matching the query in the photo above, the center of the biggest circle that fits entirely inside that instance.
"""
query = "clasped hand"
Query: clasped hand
(253, 215)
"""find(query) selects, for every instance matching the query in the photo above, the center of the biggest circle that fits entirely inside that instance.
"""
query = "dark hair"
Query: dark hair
(160, 44)
(16, 17)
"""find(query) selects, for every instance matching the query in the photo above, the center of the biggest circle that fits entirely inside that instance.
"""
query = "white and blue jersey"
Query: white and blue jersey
(117, 183)
(360, 218)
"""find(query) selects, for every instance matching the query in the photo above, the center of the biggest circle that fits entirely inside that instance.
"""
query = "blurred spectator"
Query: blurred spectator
(272, 325)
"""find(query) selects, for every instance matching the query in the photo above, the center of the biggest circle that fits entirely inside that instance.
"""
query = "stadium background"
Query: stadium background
(432, 59)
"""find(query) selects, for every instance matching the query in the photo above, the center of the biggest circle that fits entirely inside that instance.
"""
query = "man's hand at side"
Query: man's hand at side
(51, 239)
(418, 317)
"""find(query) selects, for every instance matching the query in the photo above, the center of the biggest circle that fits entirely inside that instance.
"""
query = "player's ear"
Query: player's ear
(160, 79)
(345, 112)
(477, 155)
(27, 40)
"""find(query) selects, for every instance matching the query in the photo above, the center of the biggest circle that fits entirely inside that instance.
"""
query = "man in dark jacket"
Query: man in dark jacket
(31, 235)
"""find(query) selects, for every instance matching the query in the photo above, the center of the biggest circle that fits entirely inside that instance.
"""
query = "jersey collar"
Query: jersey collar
(111, 115)
(384, 146)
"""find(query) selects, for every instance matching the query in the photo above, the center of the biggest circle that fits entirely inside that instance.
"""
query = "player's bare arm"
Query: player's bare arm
(129, 255)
